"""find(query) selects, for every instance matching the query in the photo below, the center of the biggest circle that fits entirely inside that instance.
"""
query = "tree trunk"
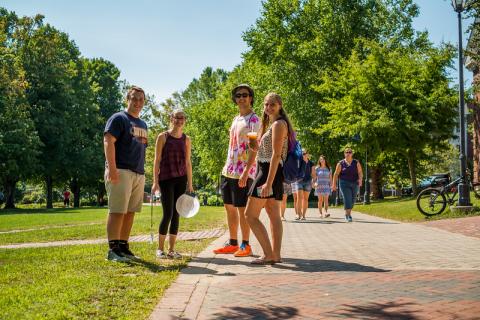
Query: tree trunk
(10, 193)
(377, 182)
(411, 157)
(75, 188)
(49, 184)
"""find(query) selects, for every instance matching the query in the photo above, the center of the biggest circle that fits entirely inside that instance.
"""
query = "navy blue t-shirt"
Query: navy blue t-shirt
(131, 135)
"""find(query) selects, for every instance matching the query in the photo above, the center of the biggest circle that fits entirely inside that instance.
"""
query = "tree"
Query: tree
(51, 63)
(18, 137)
(209, 117)
(84, 153)
(300, 40)
(103, 77)
(397, 99)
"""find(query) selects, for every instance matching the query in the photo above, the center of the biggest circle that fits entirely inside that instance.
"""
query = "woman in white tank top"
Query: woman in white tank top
(267, 188)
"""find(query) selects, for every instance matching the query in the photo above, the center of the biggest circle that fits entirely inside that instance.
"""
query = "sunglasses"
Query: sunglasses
(179, 118)
(242, 95)
(348, 151)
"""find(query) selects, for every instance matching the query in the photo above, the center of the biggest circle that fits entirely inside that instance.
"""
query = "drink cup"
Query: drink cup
(252, 135)
(252, 139)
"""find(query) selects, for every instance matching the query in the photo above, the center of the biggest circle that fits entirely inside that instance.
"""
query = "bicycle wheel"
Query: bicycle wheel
(475, 187)
(431, 202)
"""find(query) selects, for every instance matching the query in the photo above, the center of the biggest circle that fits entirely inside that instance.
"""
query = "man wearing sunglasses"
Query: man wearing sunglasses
(239, 172)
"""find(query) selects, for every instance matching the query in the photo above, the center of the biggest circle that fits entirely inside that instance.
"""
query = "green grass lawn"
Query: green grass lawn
(405, 209)
(90, 223)
(76, 282)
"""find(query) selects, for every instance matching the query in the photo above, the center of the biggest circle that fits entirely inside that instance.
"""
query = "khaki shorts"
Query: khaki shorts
(126, 195)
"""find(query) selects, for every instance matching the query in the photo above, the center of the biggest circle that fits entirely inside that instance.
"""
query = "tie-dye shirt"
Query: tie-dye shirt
(237, 157)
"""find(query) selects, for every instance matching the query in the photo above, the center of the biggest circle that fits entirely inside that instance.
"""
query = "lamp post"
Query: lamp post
(464, 193)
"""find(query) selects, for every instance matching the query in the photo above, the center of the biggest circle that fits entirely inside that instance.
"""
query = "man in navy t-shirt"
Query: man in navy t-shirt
(125, 141)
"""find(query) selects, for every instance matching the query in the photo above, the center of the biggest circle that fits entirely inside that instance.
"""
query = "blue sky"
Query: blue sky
(163, 45)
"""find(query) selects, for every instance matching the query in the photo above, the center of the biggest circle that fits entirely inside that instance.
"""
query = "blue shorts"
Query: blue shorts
(302, 186)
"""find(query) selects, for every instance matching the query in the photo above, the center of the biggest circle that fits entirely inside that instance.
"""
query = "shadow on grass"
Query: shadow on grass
(260, 312)
(45, 210)
(156, 267)
(389, 310)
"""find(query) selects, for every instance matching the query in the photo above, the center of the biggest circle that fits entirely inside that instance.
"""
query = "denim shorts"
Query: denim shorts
(302, 186)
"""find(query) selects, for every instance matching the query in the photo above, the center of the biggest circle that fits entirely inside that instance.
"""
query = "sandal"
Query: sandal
(262, 261)
(327, 215)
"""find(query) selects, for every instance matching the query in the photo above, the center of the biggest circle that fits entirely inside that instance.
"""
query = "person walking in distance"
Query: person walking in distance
(239, 171)
(66, 198)
(322, 177)
(125, 142)
(350, 175)
(301, 189)
(173, 176)
(276, 138)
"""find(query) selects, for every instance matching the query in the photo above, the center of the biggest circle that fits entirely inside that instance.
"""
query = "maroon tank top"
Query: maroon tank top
(173, 162)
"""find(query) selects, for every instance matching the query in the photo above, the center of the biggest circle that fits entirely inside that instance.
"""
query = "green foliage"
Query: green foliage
(396, 99)
(210, 111)
(296, 42)
(18, 135)
(53, 106)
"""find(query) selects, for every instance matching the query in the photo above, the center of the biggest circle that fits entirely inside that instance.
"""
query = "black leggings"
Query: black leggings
(171, 190)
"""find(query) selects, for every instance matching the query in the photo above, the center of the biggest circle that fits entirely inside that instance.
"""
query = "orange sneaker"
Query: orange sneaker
(227, 249)
(244, 251)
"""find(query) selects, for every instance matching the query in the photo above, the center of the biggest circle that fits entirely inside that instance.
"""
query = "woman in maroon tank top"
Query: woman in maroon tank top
(173, 176)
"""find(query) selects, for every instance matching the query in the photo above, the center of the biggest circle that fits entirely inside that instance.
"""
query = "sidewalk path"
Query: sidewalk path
(370, 269)
(469, 226)
(196, 235)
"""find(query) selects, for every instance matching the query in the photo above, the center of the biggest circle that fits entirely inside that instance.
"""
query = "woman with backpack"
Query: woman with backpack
(322, 177)
(350, 174)
(276, 136)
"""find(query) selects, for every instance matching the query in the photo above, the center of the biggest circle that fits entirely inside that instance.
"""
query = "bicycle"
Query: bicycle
(433, 201)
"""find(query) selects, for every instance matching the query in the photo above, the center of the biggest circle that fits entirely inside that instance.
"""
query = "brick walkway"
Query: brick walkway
(369, 269)
(204, 234)
(469, 226)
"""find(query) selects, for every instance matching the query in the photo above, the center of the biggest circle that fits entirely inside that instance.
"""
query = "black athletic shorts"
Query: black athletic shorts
(261, 178)
(232, 193)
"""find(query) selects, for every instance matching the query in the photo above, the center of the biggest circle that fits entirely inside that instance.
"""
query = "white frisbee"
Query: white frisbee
(187, 205)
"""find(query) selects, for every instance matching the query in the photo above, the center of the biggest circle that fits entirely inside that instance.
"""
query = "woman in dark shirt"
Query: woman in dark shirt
(350, 174)
(173, 175)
